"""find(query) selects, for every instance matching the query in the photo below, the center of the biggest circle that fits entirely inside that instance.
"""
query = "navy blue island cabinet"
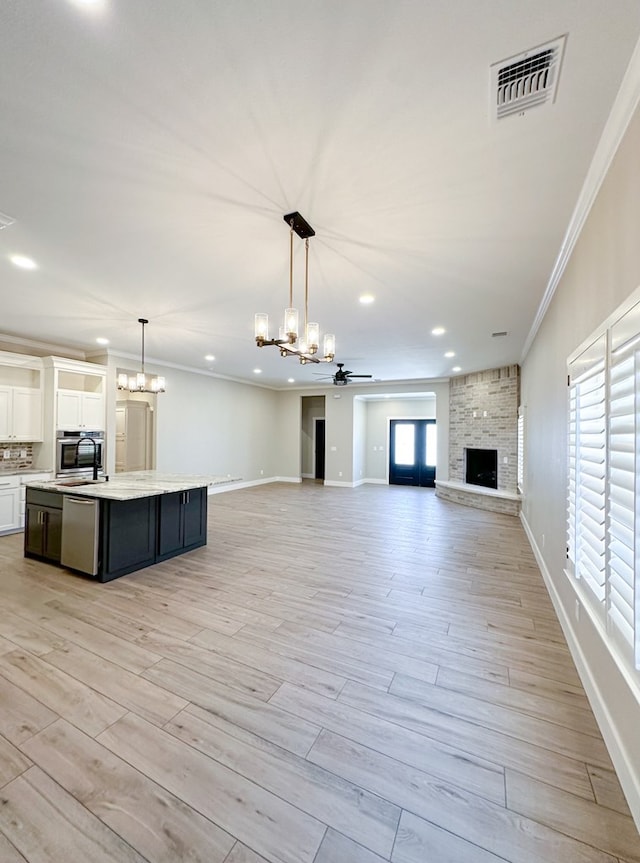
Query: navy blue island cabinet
(132, 534)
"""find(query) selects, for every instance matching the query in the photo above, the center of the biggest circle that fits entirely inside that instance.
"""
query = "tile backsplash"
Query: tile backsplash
(20, 456)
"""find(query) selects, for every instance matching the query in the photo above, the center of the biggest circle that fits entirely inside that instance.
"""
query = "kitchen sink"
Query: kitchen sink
(71, 483)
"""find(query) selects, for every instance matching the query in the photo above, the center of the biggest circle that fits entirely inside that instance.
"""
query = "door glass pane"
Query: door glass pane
(431, 445)
(405, 452)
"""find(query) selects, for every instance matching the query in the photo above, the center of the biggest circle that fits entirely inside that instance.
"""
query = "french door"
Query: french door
(412, 452)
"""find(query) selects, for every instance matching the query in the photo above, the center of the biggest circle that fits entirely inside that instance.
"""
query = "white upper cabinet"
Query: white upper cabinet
(79, 396)
(6, 413)
(21, 398)
(76, 410)
(20, 414)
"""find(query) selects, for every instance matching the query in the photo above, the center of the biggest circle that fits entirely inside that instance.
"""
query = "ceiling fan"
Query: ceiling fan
(342, 377)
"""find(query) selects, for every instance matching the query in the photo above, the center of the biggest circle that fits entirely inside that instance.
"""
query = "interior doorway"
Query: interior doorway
(312, 437)
(412, 452)
(318, 447)
(134, 435)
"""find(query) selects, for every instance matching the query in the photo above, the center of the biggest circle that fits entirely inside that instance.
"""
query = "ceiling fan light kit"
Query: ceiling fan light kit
(291, 342)
(141, 383)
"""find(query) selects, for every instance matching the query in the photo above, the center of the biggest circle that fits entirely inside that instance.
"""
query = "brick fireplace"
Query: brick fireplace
(483, 415)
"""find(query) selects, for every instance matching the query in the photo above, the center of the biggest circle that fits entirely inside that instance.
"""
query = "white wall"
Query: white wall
(209, 425)
(359, 439)
(603, 270)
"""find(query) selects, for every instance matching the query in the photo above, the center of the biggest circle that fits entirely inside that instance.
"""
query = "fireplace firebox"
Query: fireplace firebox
(482, 467)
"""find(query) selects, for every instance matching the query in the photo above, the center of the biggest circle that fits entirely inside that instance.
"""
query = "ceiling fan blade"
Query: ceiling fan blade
(359, 376)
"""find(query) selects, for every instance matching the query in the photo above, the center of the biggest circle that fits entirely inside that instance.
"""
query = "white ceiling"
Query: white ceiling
(149, 149)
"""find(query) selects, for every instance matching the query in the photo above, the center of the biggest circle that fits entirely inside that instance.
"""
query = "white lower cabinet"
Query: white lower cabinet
(12, 499)
(9, 504)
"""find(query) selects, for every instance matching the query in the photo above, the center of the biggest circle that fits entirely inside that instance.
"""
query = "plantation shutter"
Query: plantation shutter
(622, 569)
(520, 477)
(587, 468)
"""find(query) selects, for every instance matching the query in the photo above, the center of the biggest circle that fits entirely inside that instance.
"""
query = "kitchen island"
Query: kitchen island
(107, 529)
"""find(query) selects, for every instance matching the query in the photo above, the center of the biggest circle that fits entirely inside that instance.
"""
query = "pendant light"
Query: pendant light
(290, 341)
(141, 383)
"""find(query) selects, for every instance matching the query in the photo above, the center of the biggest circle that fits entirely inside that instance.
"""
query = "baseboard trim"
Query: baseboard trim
(249, 483)
(339, 483)
(628, 775)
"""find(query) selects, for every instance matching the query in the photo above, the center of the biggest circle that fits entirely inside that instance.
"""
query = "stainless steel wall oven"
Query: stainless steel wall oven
(76, 452)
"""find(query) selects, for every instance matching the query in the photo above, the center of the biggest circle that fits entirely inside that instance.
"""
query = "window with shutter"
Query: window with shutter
(603, 513)
(587, 447)
(622, 570)
(520, 477)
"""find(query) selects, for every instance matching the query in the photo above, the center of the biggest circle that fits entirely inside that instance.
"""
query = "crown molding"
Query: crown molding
(617, 123)
(42, 348)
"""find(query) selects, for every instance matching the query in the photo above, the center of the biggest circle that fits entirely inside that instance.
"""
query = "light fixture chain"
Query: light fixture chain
(143, 321)
(306, 286)
(291, 266)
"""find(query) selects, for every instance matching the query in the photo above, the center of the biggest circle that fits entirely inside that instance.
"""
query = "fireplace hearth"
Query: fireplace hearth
(482, 467)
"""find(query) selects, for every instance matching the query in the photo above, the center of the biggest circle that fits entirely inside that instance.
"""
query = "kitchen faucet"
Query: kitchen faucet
(95, 453)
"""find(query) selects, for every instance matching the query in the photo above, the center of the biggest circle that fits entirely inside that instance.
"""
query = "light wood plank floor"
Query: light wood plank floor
(340, 676)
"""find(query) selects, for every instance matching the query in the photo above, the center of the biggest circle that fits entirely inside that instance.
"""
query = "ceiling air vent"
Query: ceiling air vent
(498, 335)
(526, 81)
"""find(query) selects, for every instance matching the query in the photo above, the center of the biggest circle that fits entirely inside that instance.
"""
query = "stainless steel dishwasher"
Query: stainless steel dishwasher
(80, 533)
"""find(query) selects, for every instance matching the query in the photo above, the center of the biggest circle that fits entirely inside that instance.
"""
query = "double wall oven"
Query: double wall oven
(78, 451)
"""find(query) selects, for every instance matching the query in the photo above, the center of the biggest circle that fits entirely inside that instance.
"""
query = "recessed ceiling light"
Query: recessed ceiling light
(257, 371)
(291, 380)
(88, 4)
(450, 354)
(438, 331)
(456, 369)
(102, 341)
(367, 299)
(209, 358)
(23, 262)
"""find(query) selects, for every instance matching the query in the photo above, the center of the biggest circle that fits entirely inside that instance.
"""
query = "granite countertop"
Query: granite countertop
(134, 484)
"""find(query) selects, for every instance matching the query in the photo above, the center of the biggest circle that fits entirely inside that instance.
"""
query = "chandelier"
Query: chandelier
(290, 341)
(141, 383)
